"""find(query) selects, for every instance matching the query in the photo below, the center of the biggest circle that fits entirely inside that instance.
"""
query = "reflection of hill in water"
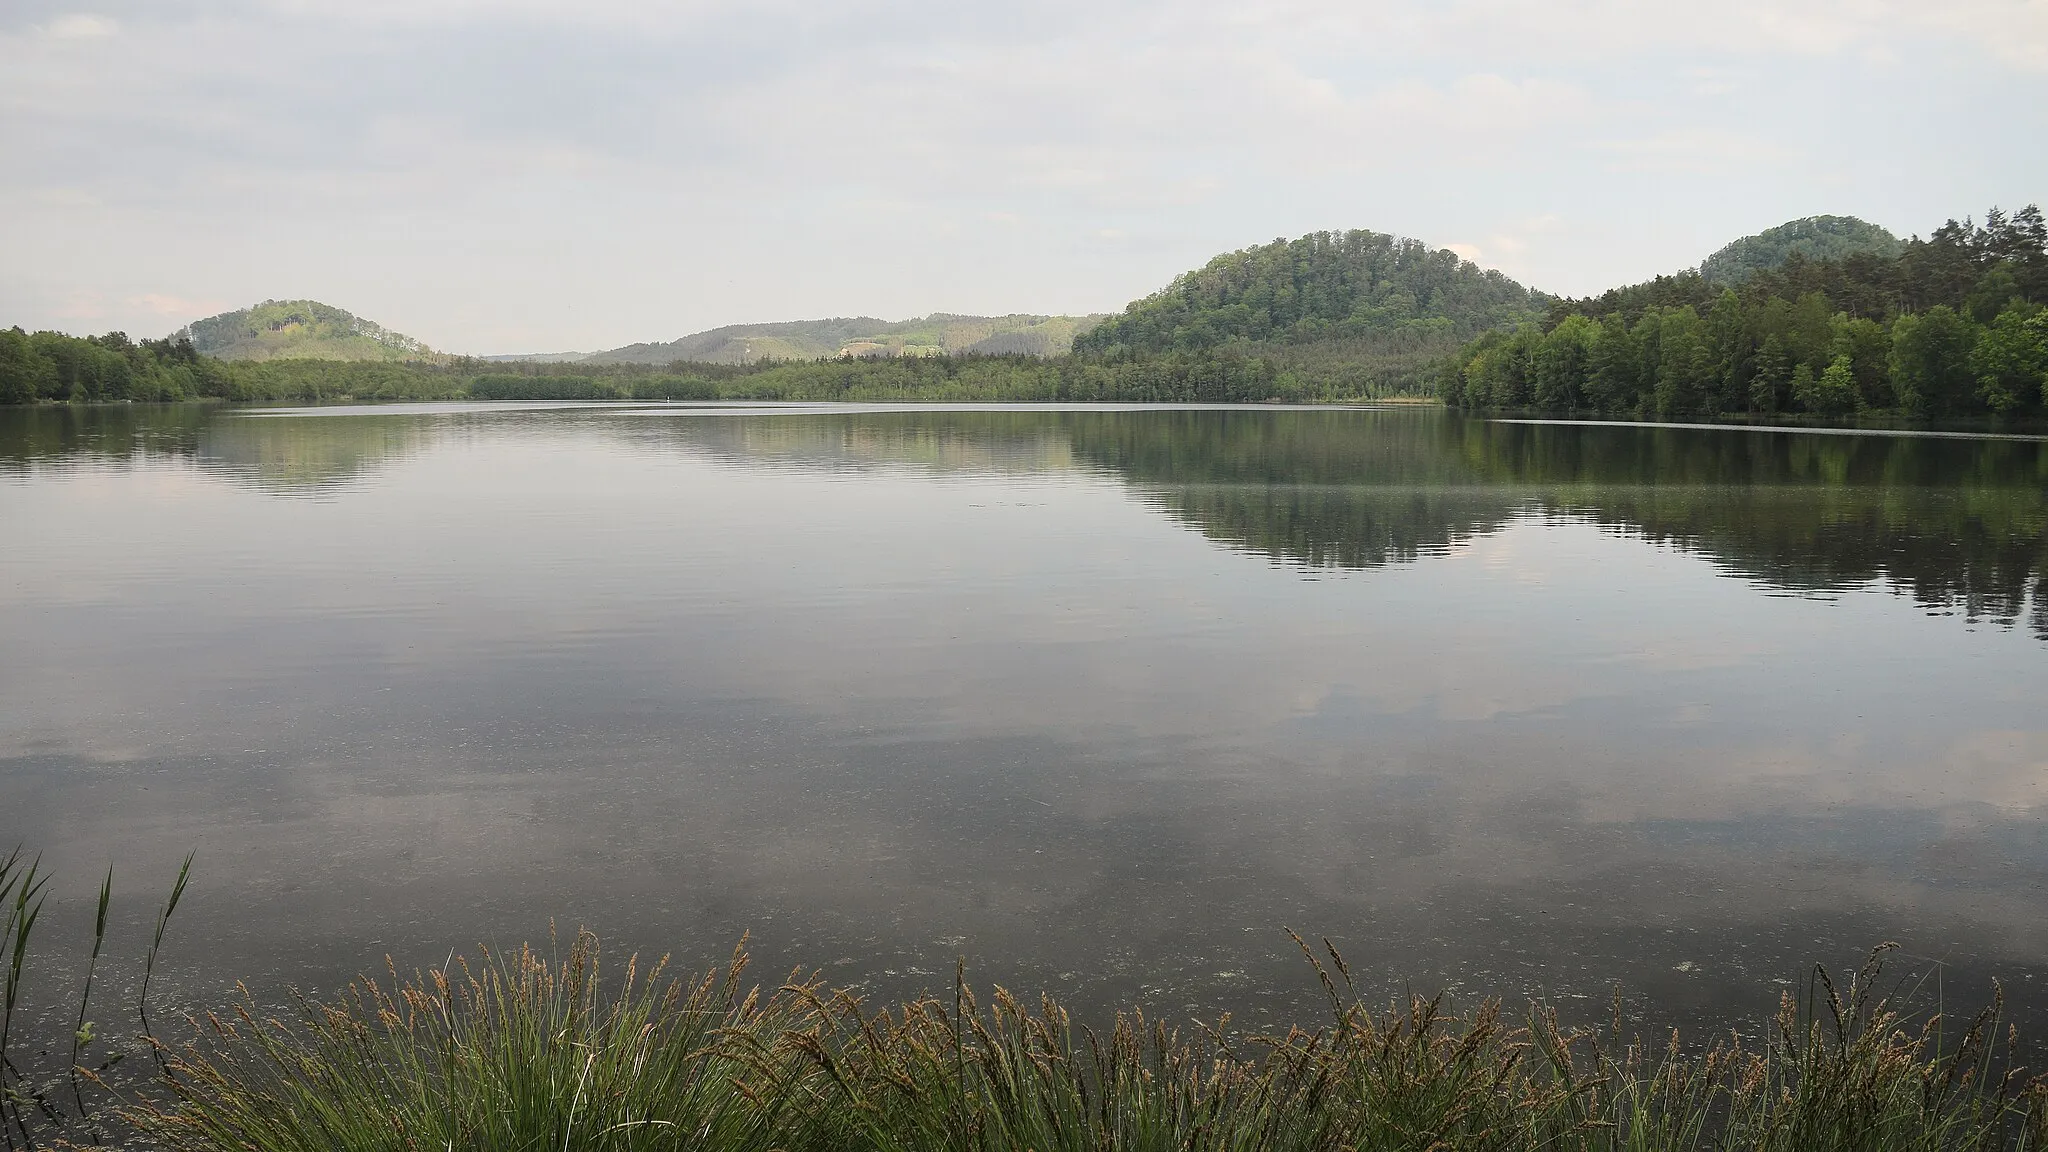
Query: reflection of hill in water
(1956, 524)
(286, 455)
(302, 457)
(1344, 489)
(978, 443)
(61, 434)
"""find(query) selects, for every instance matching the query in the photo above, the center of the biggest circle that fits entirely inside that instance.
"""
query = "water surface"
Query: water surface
(1100, 700)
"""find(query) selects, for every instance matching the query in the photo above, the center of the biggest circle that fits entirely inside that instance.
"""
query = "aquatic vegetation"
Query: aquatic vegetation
(523, 1051)
(553, 1050)
(516, 1051)
(39, 1103)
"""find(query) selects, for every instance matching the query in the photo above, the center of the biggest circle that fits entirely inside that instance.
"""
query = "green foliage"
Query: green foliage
(1931, 361)
(33, 1100)
(298, 330)
(2010, 360)
(1831, 393)
(53, 366)
(1943, 328)
(1390, 304)
(1561, 362)
(505, 386)
(673, 388)
(1813, 238)
(25, 373)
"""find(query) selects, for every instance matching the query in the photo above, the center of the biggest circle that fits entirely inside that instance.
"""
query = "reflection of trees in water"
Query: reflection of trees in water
(1957, 524)
(982, 443)
(311, 457)
(1338, 527)
(282, 455)
(1349, 489)
(57, 434)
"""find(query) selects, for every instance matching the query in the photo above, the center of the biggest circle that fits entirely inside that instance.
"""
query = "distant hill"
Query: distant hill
(1355, 286)
(1814, 237)
(299, 330)
(1347, 313)
(863, 336)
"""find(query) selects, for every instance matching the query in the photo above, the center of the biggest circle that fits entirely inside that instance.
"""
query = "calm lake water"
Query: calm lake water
(1100, 700)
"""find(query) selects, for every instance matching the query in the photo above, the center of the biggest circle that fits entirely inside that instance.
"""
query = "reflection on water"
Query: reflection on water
(1100, 699)
(1956, 523)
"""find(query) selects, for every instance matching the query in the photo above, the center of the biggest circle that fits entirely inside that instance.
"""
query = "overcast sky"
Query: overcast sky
(517, 175)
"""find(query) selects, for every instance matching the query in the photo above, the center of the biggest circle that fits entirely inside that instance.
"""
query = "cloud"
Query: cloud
(1701, 150)
(81, 26)
(529, 162)
(179, 308)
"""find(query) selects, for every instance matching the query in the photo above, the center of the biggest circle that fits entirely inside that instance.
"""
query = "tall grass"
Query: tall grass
(519, 1051)
(524, 1052)
(551, 1052)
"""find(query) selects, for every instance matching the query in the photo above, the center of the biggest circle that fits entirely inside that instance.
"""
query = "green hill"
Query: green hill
(1814, 237)
(1325, 286)
(1353, 312)
(1824, 325)
(298, 330)
(862, 336)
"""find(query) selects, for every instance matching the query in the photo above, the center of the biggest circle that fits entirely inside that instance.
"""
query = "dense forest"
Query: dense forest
(48, 366)
(1948, 327)
(1343, 313)
(53, 366)
(1813, 238)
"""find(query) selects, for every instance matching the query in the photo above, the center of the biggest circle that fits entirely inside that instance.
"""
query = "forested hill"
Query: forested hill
(862, 336)
(1347, 286)
(1811, 238)
(298, 330)
(1953, 326)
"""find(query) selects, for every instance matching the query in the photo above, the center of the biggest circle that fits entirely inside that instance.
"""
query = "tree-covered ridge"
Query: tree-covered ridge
(862, 336)
(1813, 238)
(1324, 286)
(298, 330)
(1953, 326)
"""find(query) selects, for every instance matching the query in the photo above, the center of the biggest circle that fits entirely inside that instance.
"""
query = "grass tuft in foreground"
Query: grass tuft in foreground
(525, 1052)
(518, 1051)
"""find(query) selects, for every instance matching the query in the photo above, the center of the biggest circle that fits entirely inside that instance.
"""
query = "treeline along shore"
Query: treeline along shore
(1328, 316)
(1828, 318)
(1949, 327)
(51, 367)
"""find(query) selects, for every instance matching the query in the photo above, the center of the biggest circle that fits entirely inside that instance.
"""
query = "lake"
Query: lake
(1099, 700)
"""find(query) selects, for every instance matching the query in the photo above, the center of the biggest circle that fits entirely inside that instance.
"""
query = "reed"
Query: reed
(554, 1051)
(518, 1051)
(35, 1110)
(524, 1052)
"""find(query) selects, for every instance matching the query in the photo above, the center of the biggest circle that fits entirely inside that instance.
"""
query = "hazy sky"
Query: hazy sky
(515, 175)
